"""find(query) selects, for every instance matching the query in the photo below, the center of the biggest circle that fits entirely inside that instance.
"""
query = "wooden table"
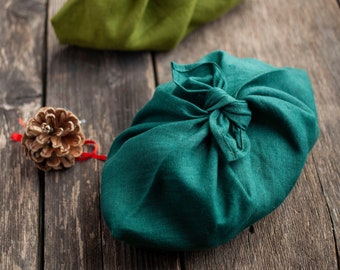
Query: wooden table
(53, 221)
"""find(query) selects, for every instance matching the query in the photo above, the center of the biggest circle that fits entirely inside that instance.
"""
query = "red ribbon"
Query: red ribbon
(17, 137)
(93, 154)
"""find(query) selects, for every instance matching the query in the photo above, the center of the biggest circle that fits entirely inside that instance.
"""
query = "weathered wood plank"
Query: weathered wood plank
(21, 52)
(305, 34)
(123, 256)
(105, 89)
(325, 74)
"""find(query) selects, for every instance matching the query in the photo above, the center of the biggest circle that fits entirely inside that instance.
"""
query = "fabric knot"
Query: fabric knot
(236, 110)
(205, 86)
(228, 120)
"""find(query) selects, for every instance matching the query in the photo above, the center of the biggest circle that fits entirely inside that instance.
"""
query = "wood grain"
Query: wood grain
(304, 232)
(21, 55)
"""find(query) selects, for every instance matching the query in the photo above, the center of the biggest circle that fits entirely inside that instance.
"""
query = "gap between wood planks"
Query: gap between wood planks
(41, 175)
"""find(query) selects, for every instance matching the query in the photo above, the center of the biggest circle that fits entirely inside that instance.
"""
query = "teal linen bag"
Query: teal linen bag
(211, 153)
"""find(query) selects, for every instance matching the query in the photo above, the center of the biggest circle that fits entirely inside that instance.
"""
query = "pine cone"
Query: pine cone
(53, 139)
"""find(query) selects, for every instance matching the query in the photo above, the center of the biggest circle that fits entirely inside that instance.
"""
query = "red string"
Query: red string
(16, 137)
(22, 123)
(93, 154)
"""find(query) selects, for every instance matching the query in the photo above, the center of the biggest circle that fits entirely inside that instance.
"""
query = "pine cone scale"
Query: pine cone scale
(77, 151)
(67, 161)
(46, 152)
(34, 146)
(72, 140)
(43, 138)
(34, 130)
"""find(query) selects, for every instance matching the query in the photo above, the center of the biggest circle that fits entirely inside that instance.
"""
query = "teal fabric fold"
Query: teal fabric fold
(215, 150)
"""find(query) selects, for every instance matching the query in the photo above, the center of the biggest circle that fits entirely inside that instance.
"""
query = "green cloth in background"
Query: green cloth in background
(133, 24)
(212, 152)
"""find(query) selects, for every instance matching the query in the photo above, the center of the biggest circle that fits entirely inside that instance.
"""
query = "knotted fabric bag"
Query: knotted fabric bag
(212, 152)
(134, 24)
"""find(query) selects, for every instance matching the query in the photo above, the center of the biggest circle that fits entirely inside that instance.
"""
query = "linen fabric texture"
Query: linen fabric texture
(134, 24)
(211, 153)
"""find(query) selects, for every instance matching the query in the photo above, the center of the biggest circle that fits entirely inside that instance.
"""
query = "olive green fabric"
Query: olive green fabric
(212, 152)
(134, 24)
